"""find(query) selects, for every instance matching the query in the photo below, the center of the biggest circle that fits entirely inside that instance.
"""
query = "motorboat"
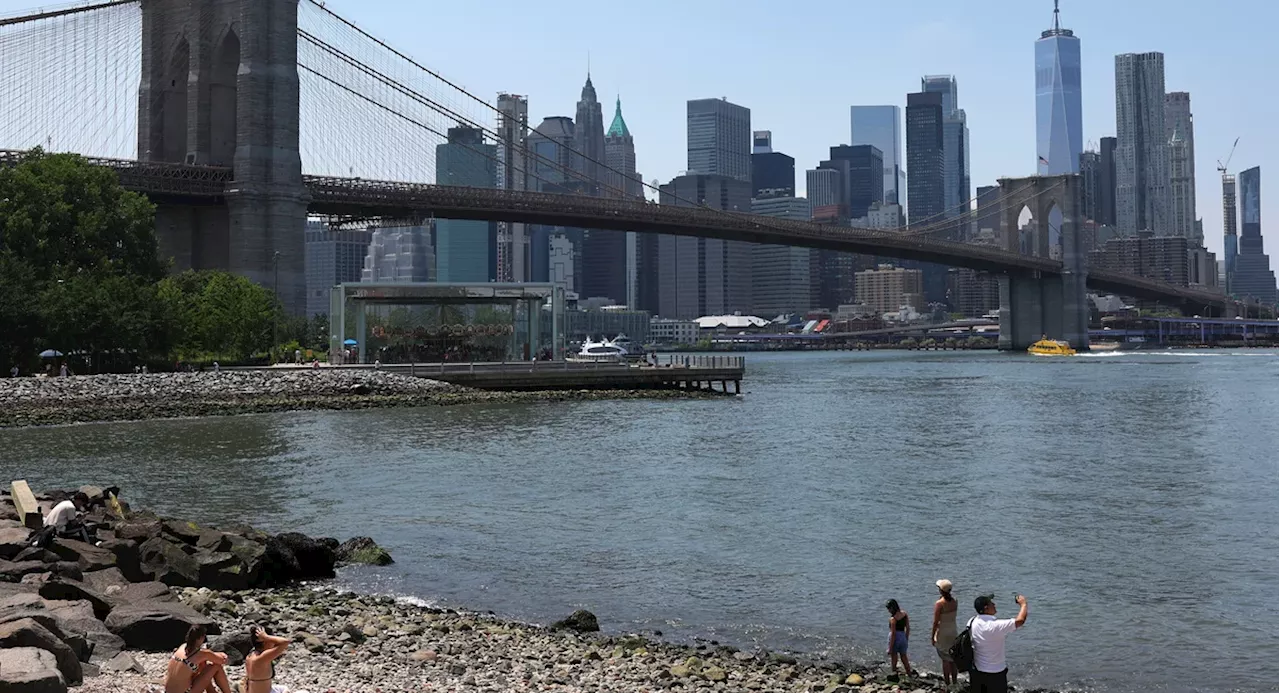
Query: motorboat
(624, 342)
(602, 351)
(1051, 347)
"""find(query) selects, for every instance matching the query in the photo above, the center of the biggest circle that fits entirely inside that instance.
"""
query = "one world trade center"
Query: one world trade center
(1059, 132)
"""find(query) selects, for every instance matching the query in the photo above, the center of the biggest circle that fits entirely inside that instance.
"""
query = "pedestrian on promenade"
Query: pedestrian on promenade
(944, 630)
(899, 632)
(990, 673)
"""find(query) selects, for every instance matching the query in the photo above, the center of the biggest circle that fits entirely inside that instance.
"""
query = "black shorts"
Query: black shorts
(982, 682)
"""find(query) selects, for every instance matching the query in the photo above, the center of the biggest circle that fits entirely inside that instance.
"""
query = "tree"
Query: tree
(104, 315)
(60, 215)
(218, 314)
(19, 314)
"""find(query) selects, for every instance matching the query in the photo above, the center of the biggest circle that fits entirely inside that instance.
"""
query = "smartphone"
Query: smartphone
(1015, 597)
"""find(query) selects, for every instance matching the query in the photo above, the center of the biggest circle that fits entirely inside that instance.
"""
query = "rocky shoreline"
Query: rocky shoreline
(129, 397)
(102, 617)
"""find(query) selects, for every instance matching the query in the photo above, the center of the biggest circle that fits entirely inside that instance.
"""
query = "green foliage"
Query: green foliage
(61, 215)
(102, 314)
(219, 315)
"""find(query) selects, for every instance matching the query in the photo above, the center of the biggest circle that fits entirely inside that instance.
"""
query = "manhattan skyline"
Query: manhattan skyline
(780, 65)
(990, 48)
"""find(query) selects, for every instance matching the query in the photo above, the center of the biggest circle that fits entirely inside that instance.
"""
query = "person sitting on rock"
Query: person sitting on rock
(260, 663)
(194, 668)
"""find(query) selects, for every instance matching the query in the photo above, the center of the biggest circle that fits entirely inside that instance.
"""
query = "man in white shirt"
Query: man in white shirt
(990, 674)
(66, 512)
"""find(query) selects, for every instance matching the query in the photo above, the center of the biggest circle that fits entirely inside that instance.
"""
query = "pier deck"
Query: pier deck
(674, 371)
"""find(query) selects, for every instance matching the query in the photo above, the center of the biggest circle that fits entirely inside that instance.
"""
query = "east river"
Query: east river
(1131, 496)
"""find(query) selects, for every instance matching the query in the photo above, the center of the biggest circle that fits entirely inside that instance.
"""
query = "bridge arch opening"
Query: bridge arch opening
(173, 106)
(222, 101)
(1025, 231)
(1054, 217)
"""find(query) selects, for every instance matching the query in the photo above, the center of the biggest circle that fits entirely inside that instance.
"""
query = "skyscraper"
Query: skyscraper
(719, 139)
(925, 180)
(1180, 135)
(466, 250)
(1107, 181)
(513, 244)
(1253, 276)
(334, 256)
(780, 275)
(861, 170)
(955, 150)
(550, 156)
(770, 170)
(1090, 170)
(1059, 133)
(620, 155)
(881, 126)
(825, 187)
(589, 139)
(1142, 150)
(1230, 239)
(704, 276)
(399, 254)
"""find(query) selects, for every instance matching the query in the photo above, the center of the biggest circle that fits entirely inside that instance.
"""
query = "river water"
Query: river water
(1132, 497)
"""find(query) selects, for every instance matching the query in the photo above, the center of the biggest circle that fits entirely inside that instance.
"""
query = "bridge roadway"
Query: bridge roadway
(356, 198)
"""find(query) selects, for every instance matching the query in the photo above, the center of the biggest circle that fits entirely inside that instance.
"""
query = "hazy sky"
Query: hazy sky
(799, 66)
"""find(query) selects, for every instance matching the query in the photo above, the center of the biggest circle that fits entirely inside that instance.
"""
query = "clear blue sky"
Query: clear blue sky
(799, 66)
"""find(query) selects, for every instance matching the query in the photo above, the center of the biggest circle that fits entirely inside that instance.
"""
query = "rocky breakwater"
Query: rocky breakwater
(351, 642)
(67, 608)
(80, 399)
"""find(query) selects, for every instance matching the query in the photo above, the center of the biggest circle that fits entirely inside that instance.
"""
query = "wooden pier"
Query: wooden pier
(674, 371)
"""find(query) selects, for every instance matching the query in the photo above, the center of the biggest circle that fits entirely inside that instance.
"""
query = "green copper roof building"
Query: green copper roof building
(619, 126)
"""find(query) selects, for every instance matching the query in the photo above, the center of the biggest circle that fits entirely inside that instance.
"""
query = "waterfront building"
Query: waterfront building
(887, 288)
(719, 139)
(607, 322)
(334, 256)
(881, 127)
(466, 249)
(699, 276)
(1059, 129)
(1254, 280)
(1142, 147)
(672, 331)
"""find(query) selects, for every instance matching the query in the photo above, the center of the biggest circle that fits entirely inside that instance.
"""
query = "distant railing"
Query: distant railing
(699, 361)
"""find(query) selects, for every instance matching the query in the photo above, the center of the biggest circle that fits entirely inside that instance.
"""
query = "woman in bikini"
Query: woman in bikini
(260, 663)
(195, 669)
(944, 630)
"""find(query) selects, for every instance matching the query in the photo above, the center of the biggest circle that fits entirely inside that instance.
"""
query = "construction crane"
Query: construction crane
(1222, 167)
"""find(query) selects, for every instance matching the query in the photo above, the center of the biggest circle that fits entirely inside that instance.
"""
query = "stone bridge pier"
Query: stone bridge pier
(220, 88)
(1036, 304)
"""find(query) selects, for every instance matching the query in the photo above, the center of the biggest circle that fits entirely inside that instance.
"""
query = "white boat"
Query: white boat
(604, 351)
(620, 348)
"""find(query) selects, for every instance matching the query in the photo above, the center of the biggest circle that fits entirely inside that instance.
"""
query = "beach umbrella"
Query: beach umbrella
(50, 353)
(350, 342)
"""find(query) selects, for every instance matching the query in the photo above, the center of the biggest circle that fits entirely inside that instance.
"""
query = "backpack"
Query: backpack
(962, 649)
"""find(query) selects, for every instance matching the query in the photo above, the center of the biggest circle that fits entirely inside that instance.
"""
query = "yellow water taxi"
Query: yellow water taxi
(1051, 347)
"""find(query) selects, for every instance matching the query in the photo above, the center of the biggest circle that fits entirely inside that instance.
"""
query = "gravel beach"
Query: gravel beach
(83, 399)
(349, 642)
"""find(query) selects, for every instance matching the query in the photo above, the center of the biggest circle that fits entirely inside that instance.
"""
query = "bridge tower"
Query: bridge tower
(220, 88)
(1038, 304)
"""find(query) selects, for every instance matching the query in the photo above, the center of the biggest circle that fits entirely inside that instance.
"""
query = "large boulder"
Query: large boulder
(128, 557)
(234, 645)
(182, 531)
(35, 553)
(155, 626)
(251, 553)
(171, 563)
(362, 550)
(14, 572)
(581, 621)
(315, 558)
(221, 571)
(70, 590)
(138, 529)
(87, 556)
(27, 632)
(13, 540)
(30, 670)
